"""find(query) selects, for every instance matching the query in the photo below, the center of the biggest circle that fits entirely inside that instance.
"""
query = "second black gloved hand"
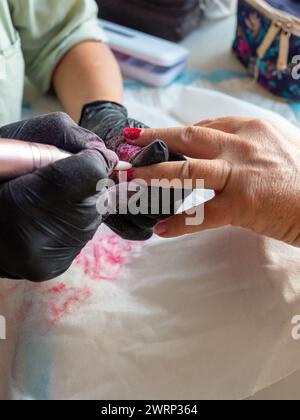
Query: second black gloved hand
(47, 217)
(108, 120)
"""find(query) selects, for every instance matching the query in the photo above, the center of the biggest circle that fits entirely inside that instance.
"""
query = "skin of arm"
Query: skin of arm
(87, 73)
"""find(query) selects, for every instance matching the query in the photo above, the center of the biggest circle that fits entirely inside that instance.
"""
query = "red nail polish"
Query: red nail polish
(130, 174)
(132, 133)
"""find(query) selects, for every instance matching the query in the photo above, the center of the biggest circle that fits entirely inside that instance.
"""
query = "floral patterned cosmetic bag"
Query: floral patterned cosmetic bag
(268, 44)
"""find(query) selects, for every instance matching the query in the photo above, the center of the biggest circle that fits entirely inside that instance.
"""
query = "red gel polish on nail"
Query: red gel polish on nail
(130, 174)
(132, 133)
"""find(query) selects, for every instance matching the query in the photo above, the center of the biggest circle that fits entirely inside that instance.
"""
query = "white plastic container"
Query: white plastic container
(144, 57)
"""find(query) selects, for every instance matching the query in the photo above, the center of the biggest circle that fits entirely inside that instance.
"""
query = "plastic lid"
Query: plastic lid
(143, 46)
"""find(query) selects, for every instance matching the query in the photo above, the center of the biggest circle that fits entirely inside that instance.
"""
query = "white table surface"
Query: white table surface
(210, 46)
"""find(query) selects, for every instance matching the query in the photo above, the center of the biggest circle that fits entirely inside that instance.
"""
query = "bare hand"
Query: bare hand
(253, 165)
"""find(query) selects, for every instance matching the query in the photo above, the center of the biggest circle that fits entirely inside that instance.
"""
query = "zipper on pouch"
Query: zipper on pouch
(270, 37)
(285, 29)
(285, 36)
(275, 14)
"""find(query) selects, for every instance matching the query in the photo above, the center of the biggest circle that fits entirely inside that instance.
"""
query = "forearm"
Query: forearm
(87, 73)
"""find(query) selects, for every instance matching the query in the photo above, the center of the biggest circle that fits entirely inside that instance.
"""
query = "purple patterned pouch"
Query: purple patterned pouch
(268, 43)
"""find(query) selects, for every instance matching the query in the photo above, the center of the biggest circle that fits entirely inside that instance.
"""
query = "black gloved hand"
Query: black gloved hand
(108, 120)
(47, 217)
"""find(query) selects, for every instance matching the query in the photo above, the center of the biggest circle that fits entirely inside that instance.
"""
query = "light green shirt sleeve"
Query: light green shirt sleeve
(49, 29)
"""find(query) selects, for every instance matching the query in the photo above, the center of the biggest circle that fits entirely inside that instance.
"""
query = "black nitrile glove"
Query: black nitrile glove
(47, 217)
(108, 120)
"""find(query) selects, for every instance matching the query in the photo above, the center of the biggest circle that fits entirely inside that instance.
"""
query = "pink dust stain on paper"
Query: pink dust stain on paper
(104, 258)
(71, 298)
(46, 306)
(8, 291)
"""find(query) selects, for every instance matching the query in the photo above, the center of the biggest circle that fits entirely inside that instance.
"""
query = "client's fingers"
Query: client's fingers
(230, 125)
(192, 141)
(214, 214)
(215, 174)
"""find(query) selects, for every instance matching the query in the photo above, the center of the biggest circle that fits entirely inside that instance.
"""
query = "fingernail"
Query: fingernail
(161, 229)
(130, 174)
(132, 133)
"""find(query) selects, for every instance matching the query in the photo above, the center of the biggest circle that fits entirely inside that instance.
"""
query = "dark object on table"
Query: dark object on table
(169, 19)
